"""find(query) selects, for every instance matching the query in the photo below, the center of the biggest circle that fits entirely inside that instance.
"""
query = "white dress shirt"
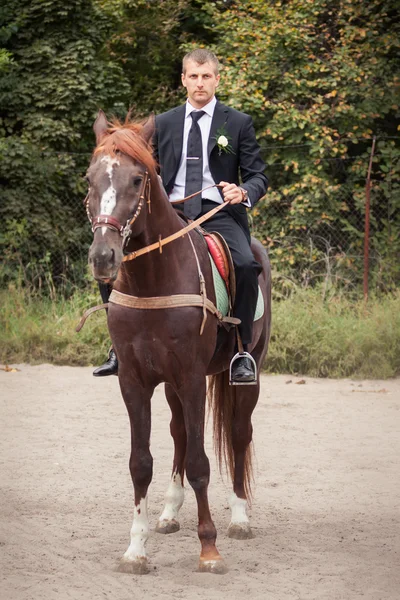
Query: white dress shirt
(178, 191)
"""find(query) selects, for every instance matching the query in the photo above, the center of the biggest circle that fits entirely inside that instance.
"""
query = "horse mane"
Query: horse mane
(126, 138)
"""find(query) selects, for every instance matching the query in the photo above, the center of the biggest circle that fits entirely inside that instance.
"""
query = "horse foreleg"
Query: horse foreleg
(168, 521)
(137, 401)
(198, 473)
(242, 431)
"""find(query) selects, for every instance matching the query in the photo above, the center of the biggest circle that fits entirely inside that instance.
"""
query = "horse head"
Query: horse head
(119, 177)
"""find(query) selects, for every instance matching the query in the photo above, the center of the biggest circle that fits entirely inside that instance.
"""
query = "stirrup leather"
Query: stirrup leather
(241, 355)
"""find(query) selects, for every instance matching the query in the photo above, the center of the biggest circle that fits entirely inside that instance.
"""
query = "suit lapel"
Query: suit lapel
(220, 117)
(177, 126)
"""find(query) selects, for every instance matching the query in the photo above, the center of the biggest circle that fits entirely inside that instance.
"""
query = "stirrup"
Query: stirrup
(241, 355)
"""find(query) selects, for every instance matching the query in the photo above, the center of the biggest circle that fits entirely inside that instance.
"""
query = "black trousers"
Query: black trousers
(247, 268)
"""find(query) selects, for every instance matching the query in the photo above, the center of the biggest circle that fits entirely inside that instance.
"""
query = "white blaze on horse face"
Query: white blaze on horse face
(139, 532)
(238, 508)
(173, 500)
(109, 198)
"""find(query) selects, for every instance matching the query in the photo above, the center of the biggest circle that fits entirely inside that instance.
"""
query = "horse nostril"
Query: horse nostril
(111, 257)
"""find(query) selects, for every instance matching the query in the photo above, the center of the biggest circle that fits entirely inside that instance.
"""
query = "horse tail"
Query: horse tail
(222, 403)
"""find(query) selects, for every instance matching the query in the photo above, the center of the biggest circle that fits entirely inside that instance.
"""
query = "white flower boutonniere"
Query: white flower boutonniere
(222, 139)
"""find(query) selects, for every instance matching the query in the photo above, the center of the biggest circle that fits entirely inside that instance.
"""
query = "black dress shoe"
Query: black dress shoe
(243, 371)
(110, 367)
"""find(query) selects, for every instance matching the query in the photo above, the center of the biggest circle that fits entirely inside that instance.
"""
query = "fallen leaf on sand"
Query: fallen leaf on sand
(8, 369)
(301, 382)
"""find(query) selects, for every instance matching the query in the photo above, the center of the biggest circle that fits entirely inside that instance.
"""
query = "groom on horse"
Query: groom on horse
(200, 144)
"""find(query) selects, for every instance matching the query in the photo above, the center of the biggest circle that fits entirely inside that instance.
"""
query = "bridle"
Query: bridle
(125, 231)
(112, 223)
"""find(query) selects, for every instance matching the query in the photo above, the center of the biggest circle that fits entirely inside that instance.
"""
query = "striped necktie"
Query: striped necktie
(194, 167)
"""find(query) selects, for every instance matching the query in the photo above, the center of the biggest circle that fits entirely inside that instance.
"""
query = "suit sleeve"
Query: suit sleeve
(250, 163)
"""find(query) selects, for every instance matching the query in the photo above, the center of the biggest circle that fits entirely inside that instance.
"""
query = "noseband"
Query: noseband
(110, 222)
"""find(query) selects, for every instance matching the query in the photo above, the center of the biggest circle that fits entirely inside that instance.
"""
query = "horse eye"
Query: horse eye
(137, 181)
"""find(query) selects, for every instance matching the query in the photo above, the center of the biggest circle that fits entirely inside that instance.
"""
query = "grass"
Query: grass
(335, 338)
(310, 335)
(36, 329)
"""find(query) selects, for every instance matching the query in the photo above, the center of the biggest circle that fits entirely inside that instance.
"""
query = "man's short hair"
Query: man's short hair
(201, 56)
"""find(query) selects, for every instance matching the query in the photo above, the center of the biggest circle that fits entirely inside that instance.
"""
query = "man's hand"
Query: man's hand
(231, 192)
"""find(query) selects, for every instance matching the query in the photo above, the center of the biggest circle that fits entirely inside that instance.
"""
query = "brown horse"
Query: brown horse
(157, 345)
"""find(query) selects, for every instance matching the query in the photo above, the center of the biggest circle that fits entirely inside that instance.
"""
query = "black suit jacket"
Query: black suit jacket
(244, 161)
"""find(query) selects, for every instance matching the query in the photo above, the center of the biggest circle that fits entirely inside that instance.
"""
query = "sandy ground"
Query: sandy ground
(326, 510)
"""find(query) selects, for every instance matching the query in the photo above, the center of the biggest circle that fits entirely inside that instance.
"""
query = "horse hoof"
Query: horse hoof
(134, 567)
(168, 526)
(213, 566)
(240, 531)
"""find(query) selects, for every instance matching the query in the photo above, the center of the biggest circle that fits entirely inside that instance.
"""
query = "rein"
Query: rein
(163, 241)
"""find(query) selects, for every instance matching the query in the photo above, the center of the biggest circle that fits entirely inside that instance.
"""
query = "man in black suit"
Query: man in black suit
(204, 142)
(229, 148)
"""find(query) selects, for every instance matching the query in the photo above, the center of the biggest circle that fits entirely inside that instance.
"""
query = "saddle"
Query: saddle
(223, 267)
(221, 255)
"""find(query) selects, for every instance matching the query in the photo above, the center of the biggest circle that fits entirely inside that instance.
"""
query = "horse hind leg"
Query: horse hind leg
(198, 473)
(242, 432)
(232, 408)
(168, 521)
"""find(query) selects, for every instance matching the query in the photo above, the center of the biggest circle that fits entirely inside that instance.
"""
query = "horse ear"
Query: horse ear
(100, 126)
(149, 128)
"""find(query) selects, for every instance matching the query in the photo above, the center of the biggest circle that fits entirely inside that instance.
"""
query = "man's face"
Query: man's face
(200, 82)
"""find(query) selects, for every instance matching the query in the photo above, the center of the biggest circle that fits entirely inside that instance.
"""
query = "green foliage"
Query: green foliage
(60, 74)
(59, 64)
(319, 78)
(149, 42)
(5, 60)
(146, 45)
(56, 78)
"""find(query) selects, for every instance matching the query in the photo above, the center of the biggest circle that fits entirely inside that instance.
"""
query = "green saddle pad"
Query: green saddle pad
(222, 295)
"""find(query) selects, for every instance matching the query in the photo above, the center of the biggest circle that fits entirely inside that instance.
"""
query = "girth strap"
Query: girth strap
(175, 301)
